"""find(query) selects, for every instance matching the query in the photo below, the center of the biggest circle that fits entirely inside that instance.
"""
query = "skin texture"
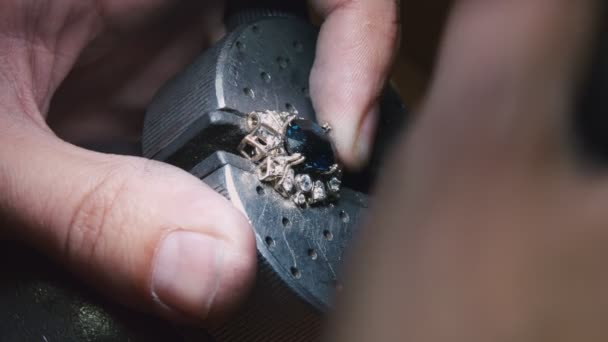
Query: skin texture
(488, 225)
(147, 234)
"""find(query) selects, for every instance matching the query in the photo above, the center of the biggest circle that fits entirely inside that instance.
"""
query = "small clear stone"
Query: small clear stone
(304, 182)
(318, 192)
(288, 181)
(334, 185)
(299, 199)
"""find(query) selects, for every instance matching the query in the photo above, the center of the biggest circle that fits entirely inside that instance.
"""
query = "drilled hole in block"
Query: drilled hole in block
(270, 241)
(295, 272)
(344, 216)
(283, 62)
(249, 92)
(290, 108)
(260, 190)
(313, 254)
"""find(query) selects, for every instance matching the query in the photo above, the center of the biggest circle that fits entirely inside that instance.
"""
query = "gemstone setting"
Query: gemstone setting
(318, 192)
(304, 183)
(300, 199)
(294, 155)
(334, 185)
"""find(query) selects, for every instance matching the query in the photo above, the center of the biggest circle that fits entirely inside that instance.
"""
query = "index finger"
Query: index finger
(356, 46)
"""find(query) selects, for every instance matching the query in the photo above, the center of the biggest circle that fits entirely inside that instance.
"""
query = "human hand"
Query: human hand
(490, 224)
(147, 234)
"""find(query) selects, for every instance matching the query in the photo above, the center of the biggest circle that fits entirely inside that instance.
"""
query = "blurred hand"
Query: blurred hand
(490, 226)
(145, 233)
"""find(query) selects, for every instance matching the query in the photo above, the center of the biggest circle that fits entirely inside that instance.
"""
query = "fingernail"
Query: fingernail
(364, 142)
(186, 274)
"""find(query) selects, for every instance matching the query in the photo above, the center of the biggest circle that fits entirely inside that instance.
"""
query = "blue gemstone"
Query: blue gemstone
(311, 141)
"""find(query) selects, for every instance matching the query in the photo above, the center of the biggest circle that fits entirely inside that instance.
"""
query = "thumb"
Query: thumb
(355, 50)
(143, 232)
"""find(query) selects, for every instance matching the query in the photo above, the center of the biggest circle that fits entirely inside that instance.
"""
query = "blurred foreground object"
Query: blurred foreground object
(491, 223)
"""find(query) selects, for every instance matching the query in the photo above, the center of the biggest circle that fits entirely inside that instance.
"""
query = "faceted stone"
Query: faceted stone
(334, 185)
(318, 192)
(299, 199)
(304, 183)
(311, 141)
(288, 181)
